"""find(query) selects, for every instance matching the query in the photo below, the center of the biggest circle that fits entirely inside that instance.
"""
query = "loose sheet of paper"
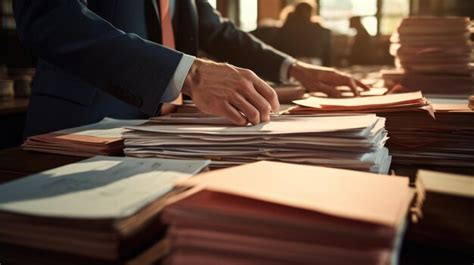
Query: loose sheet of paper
(316, 102)
(99, 187)
(106, 128)
(277, 125)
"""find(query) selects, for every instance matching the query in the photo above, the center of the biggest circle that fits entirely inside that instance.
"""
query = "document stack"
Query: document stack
(279, 213)
(433, 54)
(418, 139)
(102, 138)
(98, 211)
(372, 104)
(447, 211)
(420, 133)
(351, 142)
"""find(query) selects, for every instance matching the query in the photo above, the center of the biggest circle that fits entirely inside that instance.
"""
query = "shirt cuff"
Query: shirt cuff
(176, 83)
(284, 68)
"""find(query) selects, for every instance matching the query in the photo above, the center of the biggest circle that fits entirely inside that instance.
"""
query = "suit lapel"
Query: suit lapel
(186, 23)
(152, 18)
(187, 26)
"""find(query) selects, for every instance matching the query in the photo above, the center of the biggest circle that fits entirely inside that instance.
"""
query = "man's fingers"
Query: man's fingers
(352, 85)
(244, 106)
(262, 105)
(395, 89)
(269, 94)
(327, 89)
(232, 114)
(338, 78)
(362, 85)
(263, 89)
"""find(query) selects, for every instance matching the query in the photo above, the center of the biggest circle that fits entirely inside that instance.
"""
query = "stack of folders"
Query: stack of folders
(419, 133)
(372, 104)
(351, 142)
(433, 54)
(418, 139)
(447, 212)
(102, 138)
(278, 213)
(98, 211)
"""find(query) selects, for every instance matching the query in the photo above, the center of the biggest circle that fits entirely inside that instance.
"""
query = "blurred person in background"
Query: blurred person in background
(302, 35)
(362, 46)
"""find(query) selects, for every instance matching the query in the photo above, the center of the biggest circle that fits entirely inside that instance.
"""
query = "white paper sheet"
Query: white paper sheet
(375, 101)
(107, 128)
(99, 187)
(278, 125)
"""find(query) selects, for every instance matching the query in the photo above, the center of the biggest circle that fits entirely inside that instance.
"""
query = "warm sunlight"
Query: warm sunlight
(248, 14)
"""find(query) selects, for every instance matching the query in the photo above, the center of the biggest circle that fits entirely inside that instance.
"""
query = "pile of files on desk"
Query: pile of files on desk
(102, 138)
(278, 213)
(419, 133)
(418, 139)
(98, 211)
(433, 54)
(447, 212)
(351, 142)
(371, 104)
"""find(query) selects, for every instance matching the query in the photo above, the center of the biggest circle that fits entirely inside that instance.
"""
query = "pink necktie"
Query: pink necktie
(166, 26)
(168, 41)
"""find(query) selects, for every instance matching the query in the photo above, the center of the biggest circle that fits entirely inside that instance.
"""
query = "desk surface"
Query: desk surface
(16, 163)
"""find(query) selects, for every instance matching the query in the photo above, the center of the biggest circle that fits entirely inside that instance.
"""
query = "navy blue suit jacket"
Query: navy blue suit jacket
(97, 60)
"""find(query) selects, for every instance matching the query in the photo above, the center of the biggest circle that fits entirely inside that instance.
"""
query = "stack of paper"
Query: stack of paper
(436, 84)
(102, 208)
(447, 212)
(419, 133)
(351, 142)
(433, 54)
(374, 104)
(102, 138)
(278, 213)
(418, 139)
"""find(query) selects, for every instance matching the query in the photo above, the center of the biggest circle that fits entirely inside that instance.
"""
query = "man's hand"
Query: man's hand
(323, 79)
(234, 93)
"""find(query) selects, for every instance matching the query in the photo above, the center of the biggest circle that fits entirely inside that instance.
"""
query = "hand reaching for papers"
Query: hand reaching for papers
(231, 92)
(323, 79)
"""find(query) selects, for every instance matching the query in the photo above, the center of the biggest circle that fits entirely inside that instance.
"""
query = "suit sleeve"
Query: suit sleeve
(220, 38)
(78, 41)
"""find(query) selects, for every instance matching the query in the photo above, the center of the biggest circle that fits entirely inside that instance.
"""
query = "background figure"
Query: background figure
(302, 37)
(362, 47)
(267, 30)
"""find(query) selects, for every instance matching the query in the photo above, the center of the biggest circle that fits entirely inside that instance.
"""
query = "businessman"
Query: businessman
(125, 58)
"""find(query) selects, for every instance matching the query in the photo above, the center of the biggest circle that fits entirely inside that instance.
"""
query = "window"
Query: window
(244, 13)
(336, 14)
(248, 12)
(7, 21)
(391, 15)
(213, 3)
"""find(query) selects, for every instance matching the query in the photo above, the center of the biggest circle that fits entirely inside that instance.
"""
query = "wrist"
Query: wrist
(294, 70)
(192, 77)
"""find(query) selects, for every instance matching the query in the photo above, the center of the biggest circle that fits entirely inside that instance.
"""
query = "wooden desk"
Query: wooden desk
(16, 163)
